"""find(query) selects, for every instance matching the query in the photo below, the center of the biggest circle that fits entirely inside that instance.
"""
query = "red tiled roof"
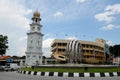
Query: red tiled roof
(4, 57)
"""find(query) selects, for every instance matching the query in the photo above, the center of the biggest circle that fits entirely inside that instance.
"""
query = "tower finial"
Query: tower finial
(36, 13)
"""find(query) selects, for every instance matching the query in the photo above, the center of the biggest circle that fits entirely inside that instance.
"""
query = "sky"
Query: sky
(61, 19)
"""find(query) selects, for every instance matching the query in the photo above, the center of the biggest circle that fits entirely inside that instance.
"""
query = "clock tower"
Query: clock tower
(34, 41)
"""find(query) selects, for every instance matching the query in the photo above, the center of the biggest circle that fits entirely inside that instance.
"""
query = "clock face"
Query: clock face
(33, 28)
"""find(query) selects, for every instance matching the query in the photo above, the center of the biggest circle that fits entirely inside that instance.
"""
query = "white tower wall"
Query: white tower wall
(34, 42)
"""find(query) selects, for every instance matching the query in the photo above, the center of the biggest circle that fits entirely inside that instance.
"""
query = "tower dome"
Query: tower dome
(36, 14)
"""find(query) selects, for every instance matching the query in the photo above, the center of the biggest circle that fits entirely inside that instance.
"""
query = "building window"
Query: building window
(58, 44)
(31, 41)
(38, 28)
(34, 56)
(86, 46)
(64, 44)
(38, 42)
(83, 45)
(28, 56)
(40, 57)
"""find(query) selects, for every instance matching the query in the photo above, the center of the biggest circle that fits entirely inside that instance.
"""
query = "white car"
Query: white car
(11, 67)
(8, 68)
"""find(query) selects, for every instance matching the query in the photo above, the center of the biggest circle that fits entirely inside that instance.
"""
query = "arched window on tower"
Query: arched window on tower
(36, 20)
(31, 41)
(38, 28)
(38, 42)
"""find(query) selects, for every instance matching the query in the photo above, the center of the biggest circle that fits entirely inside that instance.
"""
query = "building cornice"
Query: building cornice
(39, 33)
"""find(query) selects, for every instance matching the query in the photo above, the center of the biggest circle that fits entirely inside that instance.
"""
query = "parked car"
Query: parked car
(8, 68)
(11, 67)
(1, 68)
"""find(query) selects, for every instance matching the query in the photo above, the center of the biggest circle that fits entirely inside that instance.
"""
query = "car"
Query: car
(11, 67)
(1, 68)
(8, 68)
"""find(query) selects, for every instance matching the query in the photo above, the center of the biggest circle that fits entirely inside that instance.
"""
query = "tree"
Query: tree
(23, 57)
(43, 57)
(3, 44)
(115, 50)
(15, 57)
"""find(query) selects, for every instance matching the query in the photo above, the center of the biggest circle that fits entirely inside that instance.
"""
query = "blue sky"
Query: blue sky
(61, 19)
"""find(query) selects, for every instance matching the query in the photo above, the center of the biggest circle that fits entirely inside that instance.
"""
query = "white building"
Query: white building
(34, 41)
(116, 61)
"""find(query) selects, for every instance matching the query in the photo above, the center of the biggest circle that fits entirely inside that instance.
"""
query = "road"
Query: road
(17, 76)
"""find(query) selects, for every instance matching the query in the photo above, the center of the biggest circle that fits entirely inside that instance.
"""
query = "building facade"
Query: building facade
(116, 61)
(34, 41)
(92, 52)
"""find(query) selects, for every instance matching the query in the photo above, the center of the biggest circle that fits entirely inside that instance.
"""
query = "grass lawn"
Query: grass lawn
(117, 69)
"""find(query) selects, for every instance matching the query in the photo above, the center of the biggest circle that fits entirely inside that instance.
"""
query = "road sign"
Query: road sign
(9, 60)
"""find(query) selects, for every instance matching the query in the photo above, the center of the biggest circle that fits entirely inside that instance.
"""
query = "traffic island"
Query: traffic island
(72, 70)
(71, 74)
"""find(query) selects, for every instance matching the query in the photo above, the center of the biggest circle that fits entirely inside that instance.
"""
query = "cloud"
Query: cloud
(80, 1)
(14, 24)
(109, 27)
(47, 46)
(58, 14)
(106, 16)
(23, 38)
(21, 51)
(113, 8)
(47, 42)
(110, 43)
(109, 13)
(13, 14)
(71, 38)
